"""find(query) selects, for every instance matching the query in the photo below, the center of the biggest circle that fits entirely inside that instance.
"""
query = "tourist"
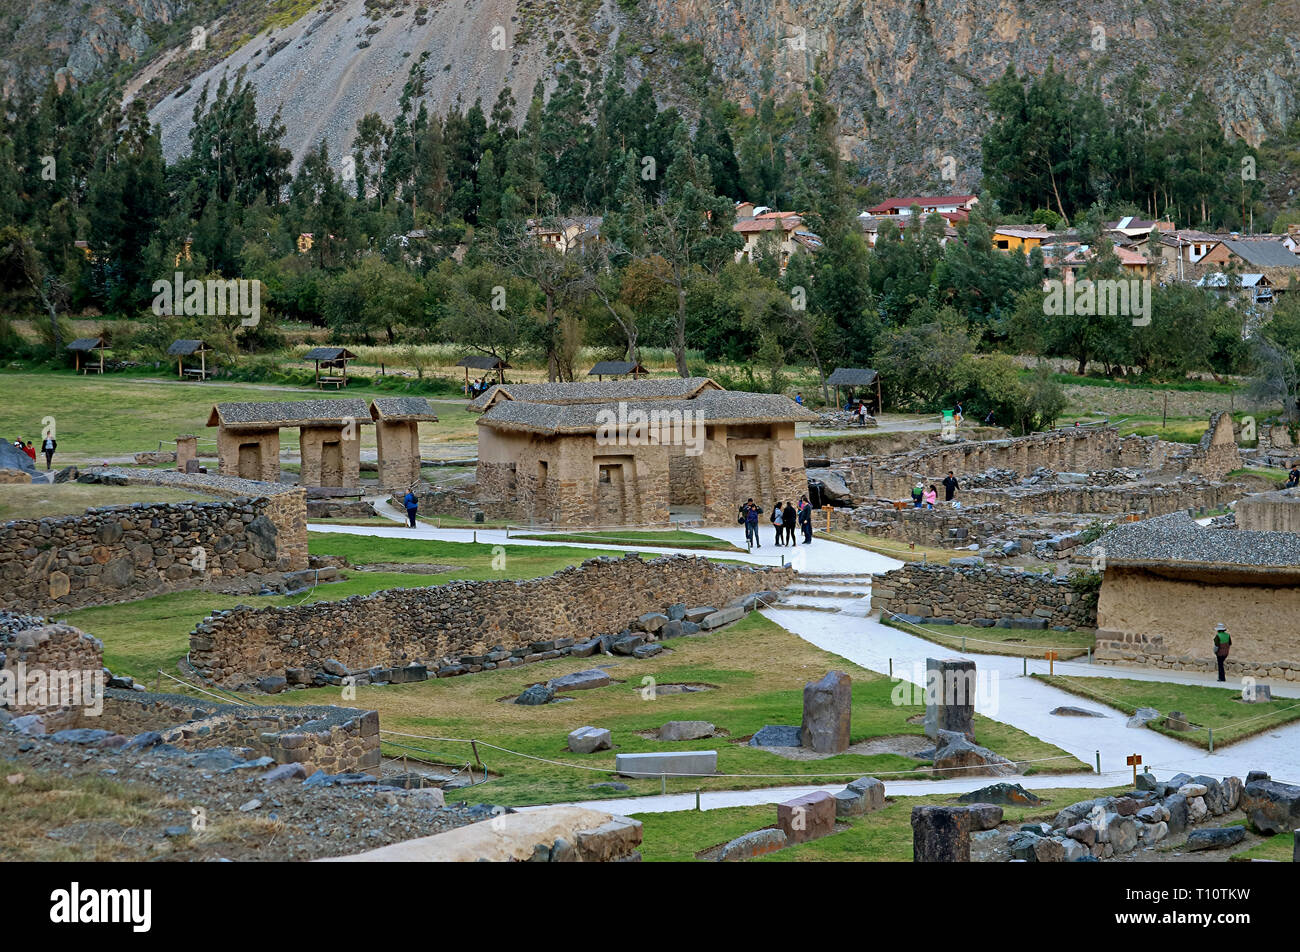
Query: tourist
(862, 413)
(805, 519)
(48, 446)
(958, 415)
(798, 398)
(788, 519)
(931, 497)
(412, 504)
(749, 516)
(988, 419)
(917, 492)
(778, 517)
(30, 451)
(949, 487)
(1222, 645)
(1293, 477)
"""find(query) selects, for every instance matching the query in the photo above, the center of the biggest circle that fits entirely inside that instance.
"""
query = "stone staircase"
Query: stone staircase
(848, 593)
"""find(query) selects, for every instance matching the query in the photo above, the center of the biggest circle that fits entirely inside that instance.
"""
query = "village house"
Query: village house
(633, 452)
(954, 208)
(1021, 238)
(566, 234)
(785, 231)
(1138, 228)
(1269, 257)
(870, 225)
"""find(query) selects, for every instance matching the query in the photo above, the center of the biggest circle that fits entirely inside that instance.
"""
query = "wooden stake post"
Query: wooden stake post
(1134, 761)
(1051, 657)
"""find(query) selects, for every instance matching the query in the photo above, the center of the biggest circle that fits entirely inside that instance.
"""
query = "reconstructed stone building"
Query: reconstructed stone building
(248, 439)
(1168, 581)
(633, 451)
(397, 431)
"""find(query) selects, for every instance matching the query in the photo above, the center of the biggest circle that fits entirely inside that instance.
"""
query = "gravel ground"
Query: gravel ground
(289, 821)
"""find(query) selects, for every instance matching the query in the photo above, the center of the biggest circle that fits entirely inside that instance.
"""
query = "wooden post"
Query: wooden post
(880, 401)
(1051, 657)
(203, 363)
(180, 368)
(1133, 761)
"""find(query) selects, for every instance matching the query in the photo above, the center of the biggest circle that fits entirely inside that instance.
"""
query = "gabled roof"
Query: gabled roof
(1218, 279)
(183, 348)
(1264, 254)
(1024, 231)
(88, 343)
(593, 391)
(402, 410)
(924, 201)
(852, 377)
(329, 353)
(261, 416)
(615, 368)
(711, 406)
(1177, 541)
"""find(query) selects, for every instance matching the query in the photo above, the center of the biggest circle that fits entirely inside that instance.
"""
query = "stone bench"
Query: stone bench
(686, 763)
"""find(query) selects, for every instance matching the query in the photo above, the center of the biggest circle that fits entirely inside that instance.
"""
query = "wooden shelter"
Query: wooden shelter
(180, 349)
(854, 378)
(332, 360)
(483, 362)
(89, 346)
(618, 368)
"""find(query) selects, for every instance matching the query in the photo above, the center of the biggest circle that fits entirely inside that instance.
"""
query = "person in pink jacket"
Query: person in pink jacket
(931, 495)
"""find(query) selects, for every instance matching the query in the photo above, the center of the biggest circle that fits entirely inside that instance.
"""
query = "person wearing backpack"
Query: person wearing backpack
(917, 492)
(1222, 645)
(778, 516)
(412, 504)
(749, 515)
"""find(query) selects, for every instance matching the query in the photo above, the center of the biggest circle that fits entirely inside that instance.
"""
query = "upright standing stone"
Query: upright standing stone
(826, 713)
(949, 697)
(940, 835)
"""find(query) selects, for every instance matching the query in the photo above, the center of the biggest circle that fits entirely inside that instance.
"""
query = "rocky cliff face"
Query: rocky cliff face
(906, 75)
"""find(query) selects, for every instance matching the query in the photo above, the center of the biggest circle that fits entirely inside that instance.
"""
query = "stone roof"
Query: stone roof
(1178, 541)
(1264, 254)
(399, 409)
(852, 377)
(594, 391)
(711, 406)
(329, 353)
(615, 367)
(289, 413)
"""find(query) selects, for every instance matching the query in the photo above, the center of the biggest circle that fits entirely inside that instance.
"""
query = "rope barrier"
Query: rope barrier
(194, 687)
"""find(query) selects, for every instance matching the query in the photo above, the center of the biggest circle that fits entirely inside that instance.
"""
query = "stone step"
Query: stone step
(819, 603)
(818, 591)
(824, 579)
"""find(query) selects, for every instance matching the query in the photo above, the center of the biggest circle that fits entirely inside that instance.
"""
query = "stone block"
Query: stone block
(827, 711)
(940, 834)
(686, 730)
(692, 763)
(586, 740)
(1271, 807)
(872, 789)
(752, 844)
(984, 816)
(950, 697)
(808, 817)
(722, 617)
(580, 680)
(777, 735)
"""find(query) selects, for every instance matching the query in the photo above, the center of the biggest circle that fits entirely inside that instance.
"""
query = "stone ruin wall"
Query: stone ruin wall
(964, 594)
(405, 626)
(51, 653)
(116, 553)
(320, 737)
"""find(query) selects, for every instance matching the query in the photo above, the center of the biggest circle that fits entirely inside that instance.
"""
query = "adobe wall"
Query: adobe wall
(964, 594)
(1269, 512)
(1166, 622)
(319, 469)
(267, 449)
(399, 454)
(118, 553)
(426, 625)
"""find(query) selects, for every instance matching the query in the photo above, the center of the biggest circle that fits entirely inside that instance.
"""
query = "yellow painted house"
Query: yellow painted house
(1021, 238)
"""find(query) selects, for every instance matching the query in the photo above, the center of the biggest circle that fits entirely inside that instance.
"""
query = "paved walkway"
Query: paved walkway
(1006, 695)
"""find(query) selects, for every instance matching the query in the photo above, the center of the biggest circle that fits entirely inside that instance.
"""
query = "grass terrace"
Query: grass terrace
(1015, 642)
(39, 500)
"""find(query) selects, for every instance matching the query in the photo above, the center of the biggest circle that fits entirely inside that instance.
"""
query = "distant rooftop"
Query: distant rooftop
(594, 391)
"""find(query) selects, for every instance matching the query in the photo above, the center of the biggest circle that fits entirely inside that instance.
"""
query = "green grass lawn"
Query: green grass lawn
(671, 538)
(118, 415)
(883, 836)
(892, 547)
(142, 636)
(1279, 849)
(1005, 641)
(1207, 386)
(1277, 476)
(38, 500)
(1209, 707)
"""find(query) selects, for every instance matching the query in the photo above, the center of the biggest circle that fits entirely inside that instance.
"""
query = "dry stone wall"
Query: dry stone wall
(117, 553)
(964, 594)
(425, 625)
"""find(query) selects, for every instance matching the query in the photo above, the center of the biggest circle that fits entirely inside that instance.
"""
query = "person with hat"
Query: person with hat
(1222, 645)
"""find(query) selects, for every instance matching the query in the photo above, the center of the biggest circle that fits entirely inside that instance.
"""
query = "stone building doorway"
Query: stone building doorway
(331, 463)
(250, 460)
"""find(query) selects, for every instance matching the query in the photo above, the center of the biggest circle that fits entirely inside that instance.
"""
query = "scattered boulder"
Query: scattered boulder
(1231, 793)
(537, 694)
(777, 735)
(1214, 838)
(1177, 721)
(808, 817)
(1121, 832)
(650, 621)
(1142, 716)
(1009, 794)
(753, 844)
(647, 651)
(1075, 712)
(990, 846)
(272, 684)
(284, 772)
(1179, 813)
(587, 740)
(849, 802)
(984, 816)
(1196, 809)
(957, 756)
(1084, 833)
(1270, 806)
(872, 789)
(686, 730)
